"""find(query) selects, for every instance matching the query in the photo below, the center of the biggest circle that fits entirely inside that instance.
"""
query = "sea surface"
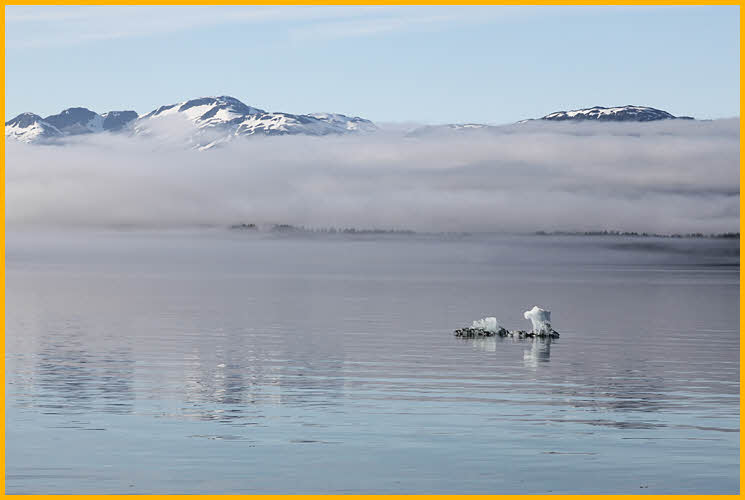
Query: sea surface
(217, 361)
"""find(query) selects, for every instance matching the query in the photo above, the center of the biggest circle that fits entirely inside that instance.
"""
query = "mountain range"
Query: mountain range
(212, 121)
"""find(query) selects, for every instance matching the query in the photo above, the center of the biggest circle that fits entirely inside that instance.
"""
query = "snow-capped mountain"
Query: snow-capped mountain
(28, 127)
(618, 114)
(114, 121)
(220, 119)
(75, 121)
(204, 111)
(207, 122)
(597, 113)
(214, 120)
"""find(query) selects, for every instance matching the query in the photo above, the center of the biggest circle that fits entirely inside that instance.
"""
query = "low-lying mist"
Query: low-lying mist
(672, 176)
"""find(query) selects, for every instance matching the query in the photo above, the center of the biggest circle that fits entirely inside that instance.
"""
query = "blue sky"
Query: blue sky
(390, 64)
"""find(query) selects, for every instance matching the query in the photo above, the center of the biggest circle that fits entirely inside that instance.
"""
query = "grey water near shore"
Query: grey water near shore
(234, 362)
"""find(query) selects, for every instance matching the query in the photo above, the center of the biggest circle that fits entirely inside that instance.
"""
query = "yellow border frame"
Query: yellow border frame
(367, 2)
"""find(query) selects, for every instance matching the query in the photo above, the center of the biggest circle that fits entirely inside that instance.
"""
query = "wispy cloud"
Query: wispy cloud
(48, 26)
(67, 25)
(392, 21)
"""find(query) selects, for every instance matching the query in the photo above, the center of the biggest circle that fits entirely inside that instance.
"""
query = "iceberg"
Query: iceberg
(490, 327)
(541, 320)
(489, 324)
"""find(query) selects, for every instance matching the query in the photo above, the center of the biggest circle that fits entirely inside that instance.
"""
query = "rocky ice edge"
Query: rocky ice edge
(540, 318)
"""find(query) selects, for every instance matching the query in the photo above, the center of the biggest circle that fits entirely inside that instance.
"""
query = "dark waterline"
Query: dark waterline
(219, 362)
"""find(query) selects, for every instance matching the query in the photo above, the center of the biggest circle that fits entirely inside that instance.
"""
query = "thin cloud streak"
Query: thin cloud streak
(75, 25)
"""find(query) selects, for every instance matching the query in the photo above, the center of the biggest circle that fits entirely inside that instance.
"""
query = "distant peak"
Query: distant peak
(75, 110)
(206, 107)
(628, 112)
(24, 119)
(113, 121)
(75, 114)
(216, 99)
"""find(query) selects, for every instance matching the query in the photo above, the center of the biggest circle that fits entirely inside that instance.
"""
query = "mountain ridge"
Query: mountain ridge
(216, 120)
(627, 113)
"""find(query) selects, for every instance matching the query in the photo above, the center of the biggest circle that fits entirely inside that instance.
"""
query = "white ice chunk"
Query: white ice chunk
(488, 324)
(540, 318)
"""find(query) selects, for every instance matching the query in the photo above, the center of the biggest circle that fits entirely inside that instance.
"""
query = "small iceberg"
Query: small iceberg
(541, 320)
(490, 327)
(488, 324)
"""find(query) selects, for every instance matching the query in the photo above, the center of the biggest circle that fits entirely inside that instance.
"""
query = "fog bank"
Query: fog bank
(673, 176)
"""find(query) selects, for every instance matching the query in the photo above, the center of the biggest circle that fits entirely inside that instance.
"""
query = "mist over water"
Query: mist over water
(239, 362)
(671, 176)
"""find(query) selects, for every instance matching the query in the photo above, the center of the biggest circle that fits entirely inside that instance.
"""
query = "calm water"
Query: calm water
(225, 362)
